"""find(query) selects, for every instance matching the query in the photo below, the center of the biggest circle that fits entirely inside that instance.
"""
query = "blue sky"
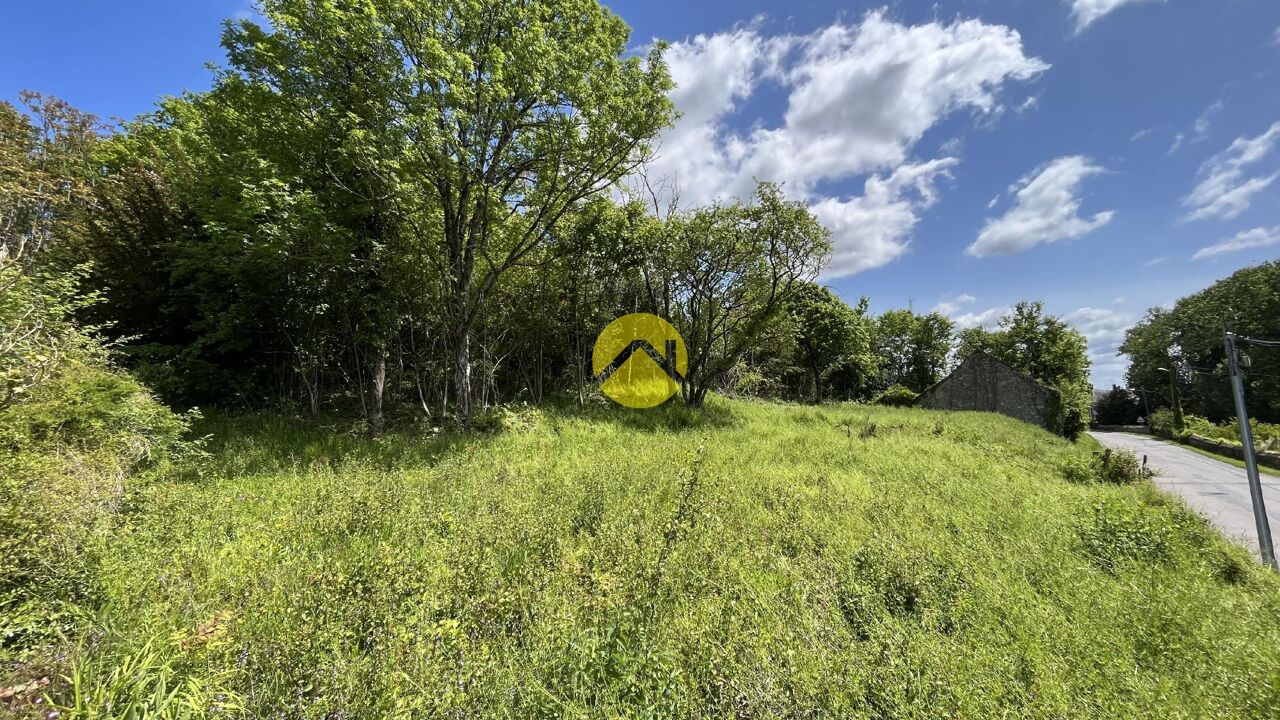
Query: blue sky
(966, 155)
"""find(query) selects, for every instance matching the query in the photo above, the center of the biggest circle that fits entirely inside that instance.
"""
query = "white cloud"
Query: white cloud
(1046, 210)
(950, 307)
(1223, 190)
(1140, 134)
(859, 98)
(1086, 12)
(874, 229)
(1201, 126)
(1104, 330)
(988, 318)
(1199, 129)
(953, 146)
(1246, 240)
(1156, 261)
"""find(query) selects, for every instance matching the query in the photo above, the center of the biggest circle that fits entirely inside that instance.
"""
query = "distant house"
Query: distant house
(984, 383)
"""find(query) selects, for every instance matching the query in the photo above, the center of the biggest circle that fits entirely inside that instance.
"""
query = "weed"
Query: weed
(587, 566)
(1115, 467)
(1119, 531)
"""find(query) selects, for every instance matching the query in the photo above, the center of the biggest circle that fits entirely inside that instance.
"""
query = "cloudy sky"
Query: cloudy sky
(1104, 156)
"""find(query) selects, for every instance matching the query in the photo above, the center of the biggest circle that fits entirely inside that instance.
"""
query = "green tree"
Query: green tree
(1047, 349)
(831, 337)
(913, 348)
(1187, 339)
(728, 271)
(1118, 406)
(46, 175)
(517, 112)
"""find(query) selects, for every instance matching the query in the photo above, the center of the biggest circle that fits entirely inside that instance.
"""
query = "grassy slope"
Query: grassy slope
(939, 567)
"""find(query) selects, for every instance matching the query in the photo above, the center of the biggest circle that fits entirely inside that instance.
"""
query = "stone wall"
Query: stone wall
(983, 383)
(1231, 450)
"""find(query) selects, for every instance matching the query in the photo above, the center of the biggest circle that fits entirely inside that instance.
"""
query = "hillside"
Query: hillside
(756, 560)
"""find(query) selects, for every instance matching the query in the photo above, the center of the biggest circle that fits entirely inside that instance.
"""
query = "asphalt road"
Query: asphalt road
(1215, 489)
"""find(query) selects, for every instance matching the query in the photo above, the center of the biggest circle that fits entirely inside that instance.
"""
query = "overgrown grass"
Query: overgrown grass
(758, 561)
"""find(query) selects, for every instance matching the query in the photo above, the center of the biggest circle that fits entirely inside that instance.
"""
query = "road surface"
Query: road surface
(1215, 489)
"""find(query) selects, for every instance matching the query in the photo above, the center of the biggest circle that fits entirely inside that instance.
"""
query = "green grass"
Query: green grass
(756, 561)
(1227, 459)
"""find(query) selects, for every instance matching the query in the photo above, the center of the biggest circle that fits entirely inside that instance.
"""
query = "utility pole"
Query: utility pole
(1145, 404)
(1250, 460)
(1179, 420)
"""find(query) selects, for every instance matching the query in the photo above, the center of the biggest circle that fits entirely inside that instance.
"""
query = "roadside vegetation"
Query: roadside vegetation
(749, 559)
(1177, 353)
(1266, 436)
(1232, 461)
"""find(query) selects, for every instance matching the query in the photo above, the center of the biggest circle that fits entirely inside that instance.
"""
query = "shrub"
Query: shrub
(1114, 467)
(1079, 471)
(898, 396)
(520, 418)
(36, 334)
(1163, 421)
(1117, 406)
(1068, 412)
(1265, 436)
(74, 433)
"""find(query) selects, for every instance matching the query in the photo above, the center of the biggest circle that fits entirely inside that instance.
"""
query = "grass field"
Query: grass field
(755, 561)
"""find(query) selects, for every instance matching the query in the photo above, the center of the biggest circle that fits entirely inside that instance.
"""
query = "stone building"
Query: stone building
(984, 383)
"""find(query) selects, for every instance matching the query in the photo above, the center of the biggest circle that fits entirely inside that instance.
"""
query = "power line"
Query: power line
(1260, 342)
(1255, 341)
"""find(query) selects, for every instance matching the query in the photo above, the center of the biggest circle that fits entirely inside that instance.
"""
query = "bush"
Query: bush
(898, 396)
(1117, 406)
(1266, 436)
(519, 418)
(1113, 467)
(74, 433)
(1068, 412)
(36, 334)
(1163, 421)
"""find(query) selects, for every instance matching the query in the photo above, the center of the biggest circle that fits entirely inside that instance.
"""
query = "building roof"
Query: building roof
(984, 356)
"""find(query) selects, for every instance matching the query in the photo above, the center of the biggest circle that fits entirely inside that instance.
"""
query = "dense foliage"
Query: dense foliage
(1187, 340)
(1048, 350)
(412, 208)
(401, 207)
(1118, 406)
(1266, 436)
(913, 350)
(74, 435)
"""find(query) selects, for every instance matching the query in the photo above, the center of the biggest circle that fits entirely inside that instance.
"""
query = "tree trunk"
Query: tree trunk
(377, 385)
(817, 386)
(462, 378)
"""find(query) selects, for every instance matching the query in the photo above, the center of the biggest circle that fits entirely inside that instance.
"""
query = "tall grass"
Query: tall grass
(755, 561)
